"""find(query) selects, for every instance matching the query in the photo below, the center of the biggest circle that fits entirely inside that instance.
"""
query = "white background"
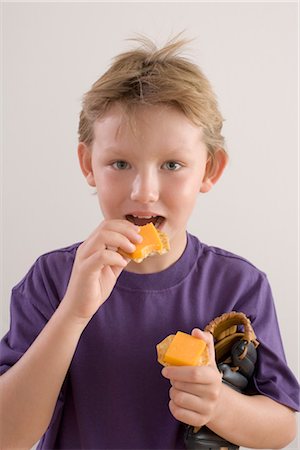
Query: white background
(53, 52)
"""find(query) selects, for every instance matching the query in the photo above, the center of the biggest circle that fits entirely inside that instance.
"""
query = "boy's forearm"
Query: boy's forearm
(253, 421)
(29, 390)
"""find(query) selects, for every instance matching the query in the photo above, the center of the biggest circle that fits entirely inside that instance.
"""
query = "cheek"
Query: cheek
(109, 193)
(187, 187)
(182, 194)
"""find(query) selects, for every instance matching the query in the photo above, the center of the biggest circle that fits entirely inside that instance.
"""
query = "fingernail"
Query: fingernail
(165, 372)
(125, 261)
(132, 247)
(139, 238)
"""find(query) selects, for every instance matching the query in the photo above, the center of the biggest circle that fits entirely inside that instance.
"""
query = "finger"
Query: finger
(208, 338)
(103, 258)
(107, 239)
(198, 389)
(188, 374)
(185, 400)
(186, 416)
(115, 240)
(124, 227)
(118, 269)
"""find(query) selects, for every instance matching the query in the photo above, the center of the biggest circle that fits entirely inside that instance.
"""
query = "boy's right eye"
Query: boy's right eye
(120, 165)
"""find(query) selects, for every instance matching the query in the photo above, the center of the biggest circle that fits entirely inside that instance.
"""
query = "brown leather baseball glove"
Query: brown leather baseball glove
(235, 349)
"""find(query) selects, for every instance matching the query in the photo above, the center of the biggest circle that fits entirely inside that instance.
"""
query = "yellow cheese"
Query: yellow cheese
(185, 350)
(154, 242)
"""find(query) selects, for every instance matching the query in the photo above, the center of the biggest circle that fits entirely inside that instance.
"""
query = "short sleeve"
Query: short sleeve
(30, 310)
(272, 377)
(33, 301)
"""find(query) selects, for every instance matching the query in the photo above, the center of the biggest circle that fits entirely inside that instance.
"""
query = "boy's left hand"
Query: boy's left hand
(195, 390)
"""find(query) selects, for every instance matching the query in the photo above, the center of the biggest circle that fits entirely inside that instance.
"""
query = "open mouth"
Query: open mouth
(143, 220)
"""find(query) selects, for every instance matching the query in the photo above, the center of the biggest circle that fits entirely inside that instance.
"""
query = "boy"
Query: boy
(79, 360)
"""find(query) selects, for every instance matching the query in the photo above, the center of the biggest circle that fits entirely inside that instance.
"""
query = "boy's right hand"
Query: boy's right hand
(97, 266)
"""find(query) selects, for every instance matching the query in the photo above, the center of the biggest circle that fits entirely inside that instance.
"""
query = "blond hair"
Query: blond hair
(151, 76)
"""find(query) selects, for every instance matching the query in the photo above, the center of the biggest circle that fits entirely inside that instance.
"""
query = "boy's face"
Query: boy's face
(151, 171)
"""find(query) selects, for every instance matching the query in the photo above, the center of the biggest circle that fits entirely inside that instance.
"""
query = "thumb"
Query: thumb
(208, 338)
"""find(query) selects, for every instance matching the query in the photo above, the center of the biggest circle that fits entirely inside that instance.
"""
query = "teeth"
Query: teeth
(144, 217)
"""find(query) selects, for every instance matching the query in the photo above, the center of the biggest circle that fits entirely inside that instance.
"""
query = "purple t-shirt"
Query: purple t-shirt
(114, 396)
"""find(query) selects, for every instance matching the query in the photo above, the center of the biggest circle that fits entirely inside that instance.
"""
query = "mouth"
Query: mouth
(143, 220)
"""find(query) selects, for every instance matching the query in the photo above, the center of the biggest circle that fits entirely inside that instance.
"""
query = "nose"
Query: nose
(145, 187)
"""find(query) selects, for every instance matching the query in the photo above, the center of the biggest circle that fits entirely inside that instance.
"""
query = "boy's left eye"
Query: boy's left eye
(171, 165)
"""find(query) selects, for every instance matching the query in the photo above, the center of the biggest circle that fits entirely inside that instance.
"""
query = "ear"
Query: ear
(215, 166)
(85, 161)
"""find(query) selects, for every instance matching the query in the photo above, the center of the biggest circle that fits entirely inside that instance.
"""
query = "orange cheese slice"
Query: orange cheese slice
(182, 350)
(154, 242)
